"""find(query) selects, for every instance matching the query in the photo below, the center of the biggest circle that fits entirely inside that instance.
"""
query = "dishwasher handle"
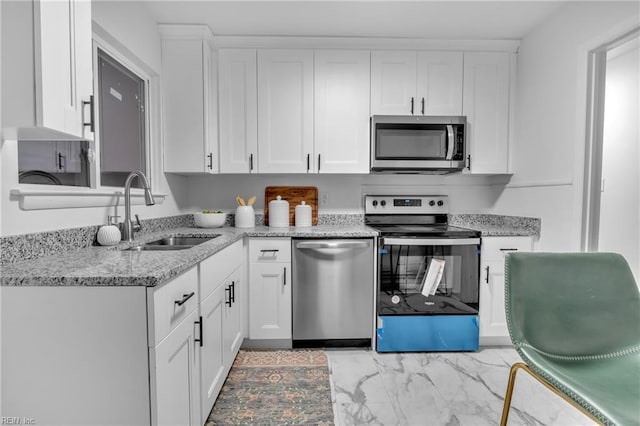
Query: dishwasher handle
(332, 244)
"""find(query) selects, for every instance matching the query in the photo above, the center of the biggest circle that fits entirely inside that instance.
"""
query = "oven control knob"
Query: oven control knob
(374, 203)
(383, 203)
(440, 203)
(432, 203)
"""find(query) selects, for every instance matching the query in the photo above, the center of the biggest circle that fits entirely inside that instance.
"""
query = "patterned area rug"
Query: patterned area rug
(281, 387)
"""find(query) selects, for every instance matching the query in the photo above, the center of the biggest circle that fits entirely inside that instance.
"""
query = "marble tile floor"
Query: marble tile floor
(438, 389)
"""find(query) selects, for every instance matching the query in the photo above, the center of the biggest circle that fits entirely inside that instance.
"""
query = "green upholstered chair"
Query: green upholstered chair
(574, 319)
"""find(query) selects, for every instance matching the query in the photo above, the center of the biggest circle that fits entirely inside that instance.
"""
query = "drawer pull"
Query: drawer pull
(508, 249)
(269, 251)
(185, 297)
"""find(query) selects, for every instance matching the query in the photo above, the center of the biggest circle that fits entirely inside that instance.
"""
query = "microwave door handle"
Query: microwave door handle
(451, 142)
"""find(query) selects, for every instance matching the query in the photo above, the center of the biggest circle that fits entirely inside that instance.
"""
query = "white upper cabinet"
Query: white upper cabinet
(342, 80)
(440, 83)
(238, 97)
(189, 101)
(50, 45)
(416, 83)
(285, 110)
(486, 105)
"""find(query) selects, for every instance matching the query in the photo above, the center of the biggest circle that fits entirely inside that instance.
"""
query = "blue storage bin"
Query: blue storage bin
(428, 333)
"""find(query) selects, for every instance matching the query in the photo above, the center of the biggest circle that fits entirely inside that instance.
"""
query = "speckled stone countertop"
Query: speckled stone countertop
(491, 225)
(112, 266)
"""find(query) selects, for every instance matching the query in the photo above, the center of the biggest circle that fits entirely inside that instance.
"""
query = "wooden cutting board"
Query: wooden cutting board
(294, 195)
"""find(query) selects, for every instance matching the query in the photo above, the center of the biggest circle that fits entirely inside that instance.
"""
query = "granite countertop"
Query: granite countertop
(112, 266)
(490, 225)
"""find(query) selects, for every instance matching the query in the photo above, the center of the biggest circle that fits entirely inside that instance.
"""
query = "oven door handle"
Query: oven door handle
(429, 241)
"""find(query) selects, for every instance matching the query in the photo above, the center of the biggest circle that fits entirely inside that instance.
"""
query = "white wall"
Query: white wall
(122, 24)
(467, 194)
(620, 199)
(550, 116)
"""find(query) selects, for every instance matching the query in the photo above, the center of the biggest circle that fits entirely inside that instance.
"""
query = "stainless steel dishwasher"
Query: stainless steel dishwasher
(333, 285)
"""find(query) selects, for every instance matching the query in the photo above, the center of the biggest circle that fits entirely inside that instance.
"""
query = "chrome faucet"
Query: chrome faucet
(128, 228)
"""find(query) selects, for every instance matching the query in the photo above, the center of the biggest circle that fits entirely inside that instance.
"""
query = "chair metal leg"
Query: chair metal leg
(511, 383)
(507, 397)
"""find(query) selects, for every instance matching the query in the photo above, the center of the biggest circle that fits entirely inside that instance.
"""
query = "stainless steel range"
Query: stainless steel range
(427, 275)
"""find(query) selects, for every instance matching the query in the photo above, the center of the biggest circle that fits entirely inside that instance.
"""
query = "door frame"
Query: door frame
(596, 80)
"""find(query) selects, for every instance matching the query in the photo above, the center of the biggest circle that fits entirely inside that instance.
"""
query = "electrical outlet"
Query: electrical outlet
(324, 198)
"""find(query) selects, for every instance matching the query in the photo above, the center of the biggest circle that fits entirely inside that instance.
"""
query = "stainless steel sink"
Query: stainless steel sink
(172, 243)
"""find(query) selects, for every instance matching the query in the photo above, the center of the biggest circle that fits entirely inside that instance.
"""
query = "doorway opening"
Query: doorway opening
(612, 176)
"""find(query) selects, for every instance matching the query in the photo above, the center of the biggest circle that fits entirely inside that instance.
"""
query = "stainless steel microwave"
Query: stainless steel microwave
(418, 144)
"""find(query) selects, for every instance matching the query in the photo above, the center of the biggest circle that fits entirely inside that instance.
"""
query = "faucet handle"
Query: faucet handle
(112, 220)
(136, 226)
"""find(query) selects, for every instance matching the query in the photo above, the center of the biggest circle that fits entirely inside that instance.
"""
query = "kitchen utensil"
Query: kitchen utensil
(303, 214)
(251, 200)
(209, 220)
(245, 217)
(240, 201)
(294, 194)
(278, 213)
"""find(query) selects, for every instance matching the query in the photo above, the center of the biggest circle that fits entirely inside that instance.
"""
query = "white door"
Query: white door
(439, 83)
(285, 110)
(212, 369)
(63, 65)
(341, 111)
(232, 333)
(238, 97)
(486, 105)
(393, 82)
(270, 301)
(176, 379)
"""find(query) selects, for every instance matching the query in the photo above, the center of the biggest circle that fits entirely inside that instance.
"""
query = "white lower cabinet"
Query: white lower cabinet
(270, 288)
(123, 355)
(221, 293)
(493, 322)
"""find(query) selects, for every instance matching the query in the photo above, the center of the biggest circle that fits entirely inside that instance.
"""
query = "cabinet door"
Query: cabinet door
(63, 65)
(238, 97)
(185, 94)
(341, 111)
(232, 334)
(213, 371)
(177, 386)
(486, 105)
(285, 110)
(493, 321)
(270, 301)
(439, 83)
(393, 83)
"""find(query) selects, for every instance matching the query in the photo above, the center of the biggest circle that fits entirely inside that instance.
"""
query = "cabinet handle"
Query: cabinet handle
(508, 249)
(60, 157)
(469, 162)
(486, 279)
(308, 162)
(210, 157)
(228, 301)
(250, 162)
(318, 163)
(269, 251)
(284, 276)
(91, 114)
(422, 107)
(412, 105)
(201, 339)
(185, 297)
(233, 292)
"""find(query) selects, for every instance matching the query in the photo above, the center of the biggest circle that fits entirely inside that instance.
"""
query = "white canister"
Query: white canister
(303, 214)
(109, 235)
(278, 213)
(245, 217)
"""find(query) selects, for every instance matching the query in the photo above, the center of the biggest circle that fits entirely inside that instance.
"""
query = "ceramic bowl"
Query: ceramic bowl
(210, 220)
